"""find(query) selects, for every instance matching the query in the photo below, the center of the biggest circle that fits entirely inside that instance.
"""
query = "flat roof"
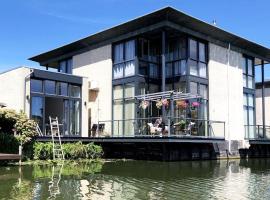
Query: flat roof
(165, 14)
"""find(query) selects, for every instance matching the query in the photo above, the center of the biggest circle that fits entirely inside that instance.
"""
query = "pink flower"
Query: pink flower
(195, 104)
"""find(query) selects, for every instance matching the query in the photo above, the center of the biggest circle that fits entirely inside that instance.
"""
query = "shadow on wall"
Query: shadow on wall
(220, 55)
(92, 56)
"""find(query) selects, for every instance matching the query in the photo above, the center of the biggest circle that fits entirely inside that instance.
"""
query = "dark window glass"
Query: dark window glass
(37, 110)
(69, 66)
(193, 49)
(193, 67)
(62, 67)
(202, 57)
(130, 50)
(118, 53)
(36, 85)
(74, 124)
(62, 89)
(49, 87)
(75, 91)
(65, 66)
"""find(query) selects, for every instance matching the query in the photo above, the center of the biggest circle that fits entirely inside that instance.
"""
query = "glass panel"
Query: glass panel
(69, 66)
(66, 117)
(118, 71)
(183, 67)
(250, 82)
(258, 74)
(37, 111)
(250, 66)
(193, 68)
(49, 87)
(251, 116)
(244, 65)
(250, 100)
(74, 125)
(245, 100)
(193, 88)
(118, 53)
(130, 50)
(130, 68)
(129, 114)
(36, 85)
(169, 70)
(75, 91)
(118, 92)
(153, 70)
(129, 90)
(202, 69)
(245, 116)
(193, 49)
(202, 56)
(177, 68)
(180, 87)
(169, 87)
(153, 88)
(62, 66)
(203, 91)
(244, 80)
(62, 89)
(118, 115)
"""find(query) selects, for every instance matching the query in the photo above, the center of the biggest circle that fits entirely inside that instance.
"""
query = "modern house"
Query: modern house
(162, 75)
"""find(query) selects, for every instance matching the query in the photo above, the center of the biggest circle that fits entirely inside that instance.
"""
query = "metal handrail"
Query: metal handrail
(141, 127)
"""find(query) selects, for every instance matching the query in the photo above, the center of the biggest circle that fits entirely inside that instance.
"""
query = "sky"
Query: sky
(31, 27)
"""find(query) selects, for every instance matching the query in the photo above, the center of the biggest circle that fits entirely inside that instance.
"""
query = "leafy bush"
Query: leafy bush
(44, 150)
(12, 122)
(8, 143)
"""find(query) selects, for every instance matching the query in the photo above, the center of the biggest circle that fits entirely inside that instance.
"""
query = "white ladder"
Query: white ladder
(56, 139)
(55, 180)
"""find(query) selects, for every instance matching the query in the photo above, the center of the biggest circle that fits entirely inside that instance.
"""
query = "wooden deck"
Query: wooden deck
(4, 156)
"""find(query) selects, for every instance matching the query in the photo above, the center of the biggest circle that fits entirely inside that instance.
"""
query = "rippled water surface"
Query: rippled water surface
(245, 179)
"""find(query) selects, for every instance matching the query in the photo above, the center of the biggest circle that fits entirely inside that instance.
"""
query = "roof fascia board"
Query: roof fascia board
(109, 41)
(213, 40)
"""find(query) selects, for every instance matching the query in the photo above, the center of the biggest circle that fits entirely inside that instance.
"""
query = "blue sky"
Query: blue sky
(31, 27)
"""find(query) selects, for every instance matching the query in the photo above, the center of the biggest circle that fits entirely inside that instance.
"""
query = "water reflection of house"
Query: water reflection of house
(108, 85)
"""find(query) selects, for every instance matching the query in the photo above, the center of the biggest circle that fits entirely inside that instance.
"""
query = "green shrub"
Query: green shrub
(44, 150)
(8, 143)
(12, 122)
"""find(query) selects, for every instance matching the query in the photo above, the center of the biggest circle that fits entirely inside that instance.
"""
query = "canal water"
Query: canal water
(234, 179)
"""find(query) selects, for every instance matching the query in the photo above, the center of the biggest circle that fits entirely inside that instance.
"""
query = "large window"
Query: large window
(197, 58)
(36, 86)
(249, 114)
(37, 110)
(123, 109)
(65, 66)
(123, 59)
(74, 125)
(176, 57)
(248, 72)
(50, 87)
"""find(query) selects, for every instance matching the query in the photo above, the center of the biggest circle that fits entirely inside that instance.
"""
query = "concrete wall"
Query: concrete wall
(14, 87)
(226, 91)
(96, 65)
(259, 106)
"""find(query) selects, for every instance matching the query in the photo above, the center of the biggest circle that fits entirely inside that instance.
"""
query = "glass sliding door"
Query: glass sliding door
(74, 123)
(37, 110)
(66, 117)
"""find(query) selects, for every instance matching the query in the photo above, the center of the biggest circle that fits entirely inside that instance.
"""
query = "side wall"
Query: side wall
(96, 65)
(259, 106)
(14, 88)
(226, 90)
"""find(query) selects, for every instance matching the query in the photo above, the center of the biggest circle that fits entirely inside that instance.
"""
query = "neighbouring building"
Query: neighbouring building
(110, 83)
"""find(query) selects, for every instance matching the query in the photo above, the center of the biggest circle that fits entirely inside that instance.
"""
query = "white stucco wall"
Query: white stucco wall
(226, 91)
(96, 65)
(13, 90)
(259, 106)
